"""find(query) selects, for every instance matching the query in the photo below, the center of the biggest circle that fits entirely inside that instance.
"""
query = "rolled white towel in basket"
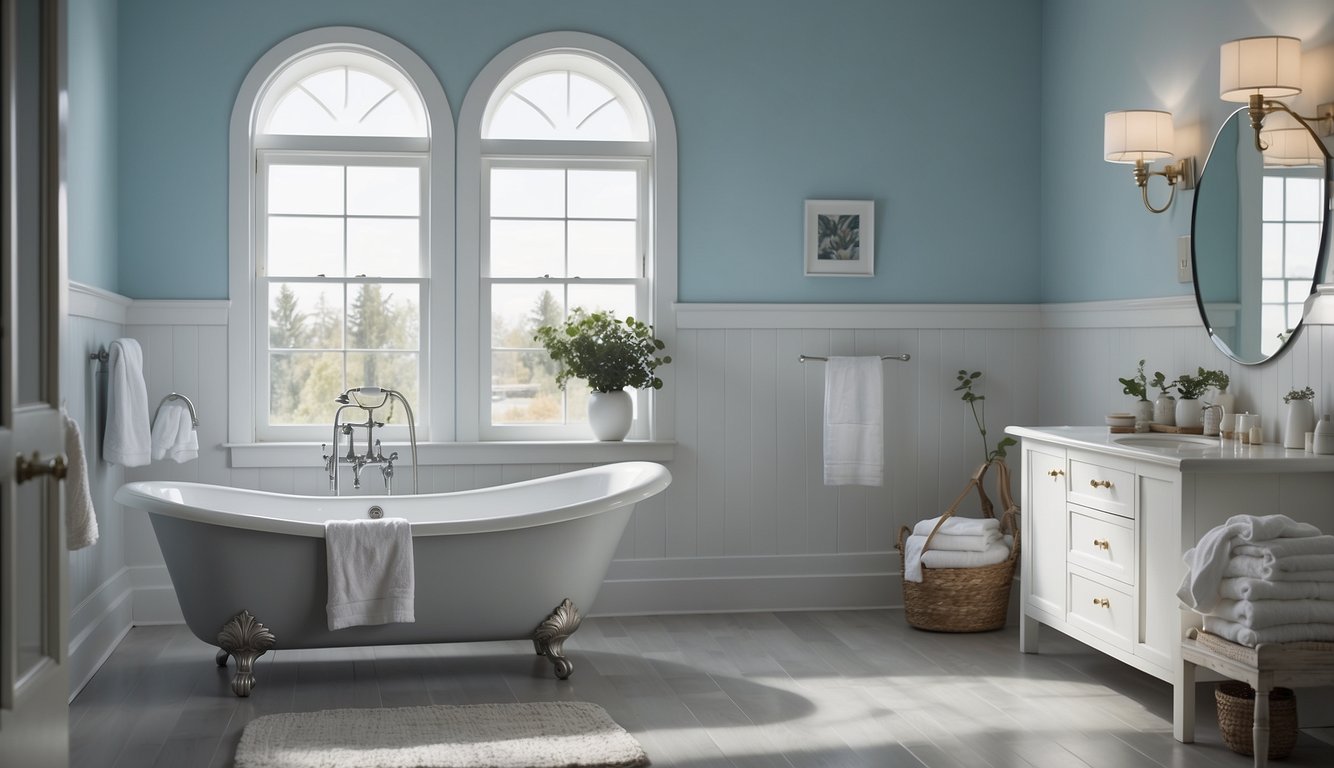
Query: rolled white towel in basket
(958, 526)
(914, 558)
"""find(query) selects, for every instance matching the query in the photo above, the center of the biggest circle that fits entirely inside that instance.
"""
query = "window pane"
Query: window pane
(298, 113)
(618, 298)
(527, 248)
(1271, 206)
(1271, 250)
(1295, 314)
(383, 316)
(305, 316)
(384, 247)
(548, 93)
(1271, 291)
(373, 191)
(517, 119)
(1298, 290)
(519, 310)
(306, 247)
(523, 388)
(603, 249)
(388, 370)
(308, 189)
(302, 386)
(1301, 246)
(527, 192)
(1305, 199)
(603, 194)
(608, 124)
(392, 117)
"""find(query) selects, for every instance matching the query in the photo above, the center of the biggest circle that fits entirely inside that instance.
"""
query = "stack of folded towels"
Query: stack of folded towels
(961, 542)
(1266, 579)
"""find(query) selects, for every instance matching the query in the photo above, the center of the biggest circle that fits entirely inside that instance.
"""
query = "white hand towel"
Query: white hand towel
(854, 441)
(1243, 588)
(914, 558)
(1283, 633)
(1262, 614)
(1208, 559)
(127, 440)
(80, 517)
(371, 576)
(174, 435)
(958, 526)
(953, 543)
(1295, 568)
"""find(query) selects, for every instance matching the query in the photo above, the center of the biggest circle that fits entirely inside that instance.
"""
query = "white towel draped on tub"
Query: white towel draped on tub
(854, 441)
(371, 579)
(127, 440)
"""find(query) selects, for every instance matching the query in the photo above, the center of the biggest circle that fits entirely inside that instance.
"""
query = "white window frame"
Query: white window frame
(249, 307)
(658, 218)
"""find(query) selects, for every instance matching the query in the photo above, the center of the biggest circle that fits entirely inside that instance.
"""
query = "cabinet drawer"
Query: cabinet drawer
(1101, 610)
(1102, 543)
(1100, 487)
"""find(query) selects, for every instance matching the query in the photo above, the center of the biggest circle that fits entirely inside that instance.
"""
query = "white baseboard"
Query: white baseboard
(96, 627)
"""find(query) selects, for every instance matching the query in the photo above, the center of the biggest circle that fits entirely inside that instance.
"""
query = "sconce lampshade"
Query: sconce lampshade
(1129, 135)
(1291, 148)
(1268, 66)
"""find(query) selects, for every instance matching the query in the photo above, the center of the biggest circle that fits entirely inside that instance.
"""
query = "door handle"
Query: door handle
(26, 468)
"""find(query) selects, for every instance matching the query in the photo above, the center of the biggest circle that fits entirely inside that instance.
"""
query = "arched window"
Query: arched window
(340, 233)
(567, 161)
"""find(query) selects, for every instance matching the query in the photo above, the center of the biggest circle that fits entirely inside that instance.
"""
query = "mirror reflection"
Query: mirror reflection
(1259, 234)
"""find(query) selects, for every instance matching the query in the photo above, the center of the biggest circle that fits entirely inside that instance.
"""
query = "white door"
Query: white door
(34, 684)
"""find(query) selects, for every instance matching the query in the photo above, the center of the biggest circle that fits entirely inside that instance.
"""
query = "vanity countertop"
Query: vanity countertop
(1218, 456)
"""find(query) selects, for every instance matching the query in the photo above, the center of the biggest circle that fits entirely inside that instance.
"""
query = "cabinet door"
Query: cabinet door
(1044, 530)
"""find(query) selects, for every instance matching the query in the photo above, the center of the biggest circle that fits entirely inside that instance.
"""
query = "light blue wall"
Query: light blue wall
(92, 143)
(1097, 240)
(926, 107)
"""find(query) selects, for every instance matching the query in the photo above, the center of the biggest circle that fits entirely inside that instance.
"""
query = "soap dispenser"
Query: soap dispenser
(1324, 437)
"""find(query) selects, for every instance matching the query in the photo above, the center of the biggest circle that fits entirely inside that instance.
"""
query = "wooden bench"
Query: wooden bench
(1265, 667)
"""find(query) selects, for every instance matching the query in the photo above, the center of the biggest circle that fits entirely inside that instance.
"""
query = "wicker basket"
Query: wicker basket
(1236, 717)
(966, 599)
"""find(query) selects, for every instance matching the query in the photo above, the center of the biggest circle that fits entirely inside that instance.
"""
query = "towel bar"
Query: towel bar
(194, 417)
(905, 357)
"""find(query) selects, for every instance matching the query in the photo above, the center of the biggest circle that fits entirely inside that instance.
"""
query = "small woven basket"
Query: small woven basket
(966, 599)
(1236, 717)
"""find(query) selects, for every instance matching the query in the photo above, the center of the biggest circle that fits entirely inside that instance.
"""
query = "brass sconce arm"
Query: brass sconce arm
(1182, 171)
(1260, 108)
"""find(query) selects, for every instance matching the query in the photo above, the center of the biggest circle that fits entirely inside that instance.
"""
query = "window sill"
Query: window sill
(442, 454)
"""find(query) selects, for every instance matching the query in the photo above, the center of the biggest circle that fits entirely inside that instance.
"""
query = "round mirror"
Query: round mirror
(1259, 233)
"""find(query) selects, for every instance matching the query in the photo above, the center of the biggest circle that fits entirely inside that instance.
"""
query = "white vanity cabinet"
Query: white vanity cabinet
(1105, 524)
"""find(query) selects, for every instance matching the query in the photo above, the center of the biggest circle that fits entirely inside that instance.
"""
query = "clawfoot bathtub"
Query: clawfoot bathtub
(511, 562)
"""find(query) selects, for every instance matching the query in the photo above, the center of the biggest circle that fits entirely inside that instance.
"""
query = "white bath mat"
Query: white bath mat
(560, 734)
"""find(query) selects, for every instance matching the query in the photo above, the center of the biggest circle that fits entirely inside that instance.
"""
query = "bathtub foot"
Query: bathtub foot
(549, 637)
(245, 640)
(222, 657)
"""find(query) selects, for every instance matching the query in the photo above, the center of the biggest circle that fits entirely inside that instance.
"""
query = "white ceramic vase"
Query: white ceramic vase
(1164, 410)
(1300, 419)
(610, 414)
(1189, 412)
(1143, 410)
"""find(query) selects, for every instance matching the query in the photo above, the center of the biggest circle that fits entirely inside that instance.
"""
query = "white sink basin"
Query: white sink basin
(1168, 442)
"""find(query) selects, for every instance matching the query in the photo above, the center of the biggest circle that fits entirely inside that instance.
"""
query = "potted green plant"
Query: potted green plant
(611, 355)
(1299, 417)
(1189, 409)
(977, 404)
(1164, 408)
(1138, 388)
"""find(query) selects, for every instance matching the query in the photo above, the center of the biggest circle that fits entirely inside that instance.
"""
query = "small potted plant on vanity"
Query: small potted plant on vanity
(1299, 417)
(1138, 388)
(611, 355)
(1164, 408)
(1189, 409)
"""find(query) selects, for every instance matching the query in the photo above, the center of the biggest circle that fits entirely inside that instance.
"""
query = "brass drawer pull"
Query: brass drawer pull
(1101, 544)
(1102, 602)
(1055, 473)
(1100, 483)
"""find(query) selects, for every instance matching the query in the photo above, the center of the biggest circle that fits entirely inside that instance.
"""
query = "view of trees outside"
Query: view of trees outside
(308, 365)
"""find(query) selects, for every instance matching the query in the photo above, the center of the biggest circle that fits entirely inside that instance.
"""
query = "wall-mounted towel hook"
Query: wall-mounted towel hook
(101, 355)
(194, 417)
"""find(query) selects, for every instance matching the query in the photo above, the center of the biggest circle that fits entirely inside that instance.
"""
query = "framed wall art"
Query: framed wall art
(840, 238)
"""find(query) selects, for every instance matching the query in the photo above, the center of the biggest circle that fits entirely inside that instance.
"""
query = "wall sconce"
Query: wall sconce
(1141, 136)
(1260, 70)
(1290, 148)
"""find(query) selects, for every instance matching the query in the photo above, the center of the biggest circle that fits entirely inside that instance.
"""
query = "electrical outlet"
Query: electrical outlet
(1184, 274)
